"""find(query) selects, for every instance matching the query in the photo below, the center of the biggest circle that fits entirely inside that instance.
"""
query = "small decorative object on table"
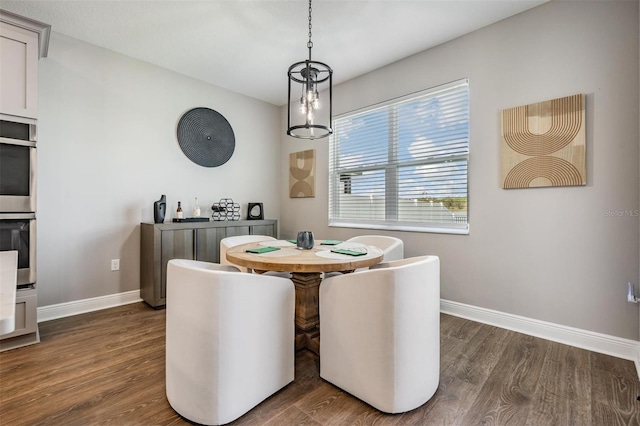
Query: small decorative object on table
(159, 209)
(305, 240)
(179, 214)
(226, 209)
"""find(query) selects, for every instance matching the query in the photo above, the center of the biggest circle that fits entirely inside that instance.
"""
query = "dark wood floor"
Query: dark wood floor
(107, 368)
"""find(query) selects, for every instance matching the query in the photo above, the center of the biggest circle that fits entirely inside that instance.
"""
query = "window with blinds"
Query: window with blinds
(402, 164)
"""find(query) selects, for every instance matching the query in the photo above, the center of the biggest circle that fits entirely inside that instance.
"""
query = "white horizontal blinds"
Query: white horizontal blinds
(359, 158)
(404, 162)
(434, 125)
(363, 139)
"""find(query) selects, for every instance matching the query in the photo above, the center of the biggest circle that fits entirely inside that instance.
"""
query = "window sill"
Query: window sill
(463, 230)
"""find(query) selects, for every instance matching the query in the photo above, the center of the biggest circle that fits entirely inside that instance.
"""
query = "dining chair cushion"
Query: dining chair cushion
(380, 333)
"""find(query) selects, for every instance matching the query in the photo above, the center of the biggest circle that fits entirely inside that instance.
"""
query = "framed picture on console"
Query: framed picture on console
(255, 211)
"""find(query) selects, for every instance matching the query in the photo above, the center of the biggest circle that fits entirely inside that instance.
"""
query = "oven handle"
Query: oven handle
(20, 142)
(30, 215)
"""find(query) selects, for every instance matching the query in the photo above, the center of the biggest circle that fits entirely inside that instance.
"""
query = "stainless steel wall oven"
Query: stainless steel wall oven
(18, 195)
(18, 232)
(17, 167)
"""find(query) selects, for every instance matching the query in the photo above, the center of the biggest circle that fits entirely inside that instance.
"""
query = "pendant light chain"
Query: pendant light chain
(309, 43)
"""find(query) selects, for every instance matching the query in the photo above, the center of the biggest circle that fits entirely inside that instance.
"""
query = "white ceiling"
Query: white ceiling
(247, 45)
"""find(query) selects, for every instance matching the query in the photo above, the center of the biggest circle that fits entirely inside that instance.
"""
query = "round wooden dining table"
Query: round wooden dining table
(306, 268)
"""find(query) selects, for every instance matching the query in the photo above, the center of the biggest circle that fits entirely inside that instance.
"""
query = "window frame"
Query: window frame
(392, 180)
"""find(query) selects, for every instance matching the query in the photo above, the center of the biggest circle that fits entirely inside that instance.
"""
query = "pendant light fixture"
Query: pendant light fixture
(308, 112)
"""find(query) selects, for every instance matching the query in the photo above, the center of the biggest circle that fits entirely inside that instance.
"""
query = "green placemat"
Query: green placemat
(330, 242)
(349, 252)
(262, 250)
(293, 241)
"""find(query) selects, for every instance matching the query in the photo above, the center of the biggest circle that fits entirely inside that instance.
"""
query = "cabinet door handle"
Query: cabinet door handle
(195, 244)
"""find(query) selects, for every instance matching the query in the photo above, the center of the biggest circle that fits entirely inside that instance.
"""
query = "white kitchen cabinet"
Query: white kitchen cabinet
(22, 42)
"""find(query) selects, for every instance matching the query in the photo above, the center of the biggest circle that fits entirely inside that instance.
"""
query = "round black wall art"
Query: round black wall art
(206, 137)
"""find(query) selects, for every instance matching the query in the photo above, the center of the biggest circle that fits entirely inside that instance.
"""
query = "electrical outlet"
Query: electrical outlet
(115, 264)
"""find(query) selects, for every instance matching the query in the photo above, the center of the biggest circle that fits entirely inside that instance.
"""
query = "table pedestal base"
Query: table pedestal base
(306, 281)
(307, 310)
(309, 340)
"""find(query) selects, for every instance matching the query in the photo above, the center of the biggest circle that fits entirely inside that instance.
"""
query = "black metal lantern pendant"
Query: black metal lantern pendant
(312, 77)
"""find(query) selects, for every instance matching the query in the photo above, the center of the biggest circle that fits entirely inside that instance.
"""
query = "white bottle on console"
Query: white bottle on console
(179, 211)
(196, 209)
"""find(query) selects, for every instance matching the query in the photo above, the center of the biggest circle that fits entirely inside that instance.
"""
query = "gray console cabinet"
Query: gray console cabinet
(161, 242)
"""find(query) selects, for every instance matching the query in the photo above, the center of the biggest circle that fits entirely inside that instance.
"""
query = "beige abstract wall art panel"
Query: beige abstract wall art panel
(302, 174)
(544, 144)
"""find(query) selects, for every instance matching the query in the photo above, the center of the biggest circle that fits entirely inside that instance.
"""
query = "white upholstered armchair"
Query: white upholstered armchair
(236, 240)
(392, 247)
(380, 333)
(229, 339)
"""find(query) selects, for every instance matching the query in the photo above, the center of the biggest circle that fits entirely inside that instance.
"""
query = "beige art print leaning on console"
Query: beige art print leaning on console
(543, 144)
(302, 174)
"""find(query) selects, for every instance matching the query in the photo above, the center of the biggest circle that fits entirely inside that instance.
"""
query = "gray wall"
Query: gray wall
(107, 150)
(561, 255)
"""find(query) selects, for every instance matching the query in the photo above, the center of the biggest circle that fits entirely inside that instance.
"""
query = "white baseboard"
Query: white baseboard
(590, 340)
(61, 310)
